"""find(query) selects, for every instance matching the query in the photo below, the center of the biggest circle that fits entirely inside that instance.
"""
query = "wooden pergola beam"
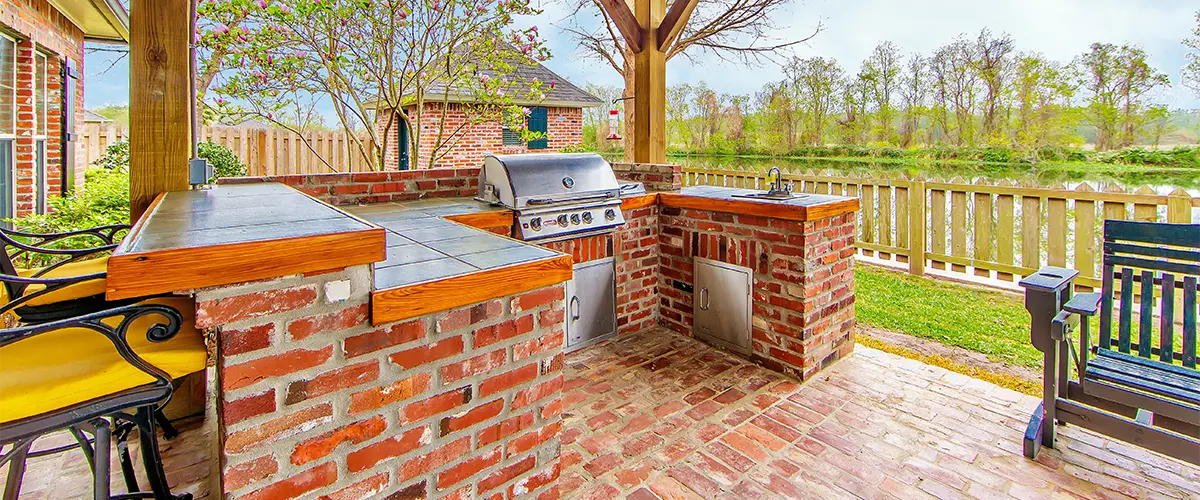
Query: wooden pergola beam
(626, 23)
(160, 95)
(677, 17)
(650, 88)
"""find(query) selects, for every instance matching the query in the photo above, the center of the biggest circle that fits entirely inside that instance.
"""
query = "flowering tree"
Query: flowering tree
(261, 58)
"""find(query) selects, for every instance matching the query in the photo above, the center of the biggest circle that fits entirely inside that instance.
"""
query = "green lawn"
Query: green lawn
(992, 323)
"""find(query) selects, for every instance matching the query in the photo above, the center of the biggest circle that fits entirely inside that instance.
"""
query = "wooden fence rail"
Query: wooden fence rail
(265, 151)
(999, 231)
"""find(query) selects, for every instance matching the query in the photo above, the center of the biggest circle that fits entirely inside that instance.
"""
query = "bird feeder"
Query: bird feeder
(613, 123)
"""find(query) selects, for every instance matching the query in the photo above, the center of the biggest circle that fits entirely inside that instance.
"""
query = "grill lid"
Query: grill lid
(540, 179)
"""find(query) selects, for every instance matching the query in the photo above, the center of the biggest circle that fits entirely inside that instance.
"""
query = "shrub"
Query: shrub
(222, 159)
(102, 200)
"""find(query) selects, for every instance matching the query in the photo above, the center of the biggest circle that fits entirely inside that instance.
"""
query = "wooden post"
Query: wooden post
(160, 94)
(649, 86)
(1179, 207)
(916, 227)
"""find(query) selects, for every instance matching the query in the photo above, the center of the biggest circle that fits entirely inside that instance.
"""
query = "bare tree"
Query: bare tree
(913, 93)
(882, 72)
(991, 57)
(736, 30)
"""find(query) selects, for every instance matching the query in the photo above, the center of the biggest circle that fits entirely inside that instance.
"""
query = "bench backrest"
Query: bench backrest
(1154, 255)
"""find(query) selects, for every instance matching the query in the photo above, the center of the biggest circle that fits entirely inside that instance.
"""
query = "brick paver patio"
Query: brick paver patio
(660, 415)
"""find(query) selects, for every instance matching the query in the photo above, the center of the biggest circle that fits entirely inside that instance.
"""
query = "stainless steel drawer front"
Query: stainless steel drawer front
(591, 303)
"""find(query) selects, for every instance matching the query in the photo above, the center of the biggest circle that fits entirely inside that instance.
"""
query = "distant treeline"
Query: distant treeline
(978, 94)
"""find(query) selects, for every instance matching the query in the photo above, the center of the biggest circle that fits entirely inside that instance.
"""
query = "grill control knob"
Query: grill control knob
(587, 217)
(536, 223)
(575, 219)
(610, 214)
(562, 220)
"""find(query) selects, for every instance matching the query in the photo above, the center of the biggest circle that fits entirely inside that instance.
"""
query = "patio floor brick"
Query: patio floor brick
(873, 425)
(658, 415)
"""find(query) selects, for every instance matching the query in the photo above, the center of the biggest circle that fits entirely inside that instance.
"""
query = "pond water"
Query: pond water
(1161, 179)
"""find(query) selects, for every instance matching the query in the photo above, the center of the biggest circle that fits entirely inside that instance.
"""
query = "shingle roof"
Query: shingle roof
(564, 93)
(90, 116)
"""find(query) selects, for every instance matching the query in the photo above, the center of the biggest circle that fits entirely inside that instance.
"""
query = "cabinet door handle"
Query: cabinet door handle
(573, 307)
(704, 299)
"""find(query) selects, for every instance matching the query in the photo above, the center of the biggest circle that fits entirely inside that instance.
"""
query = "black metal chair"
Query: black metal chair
(72, 285)
(89, 375)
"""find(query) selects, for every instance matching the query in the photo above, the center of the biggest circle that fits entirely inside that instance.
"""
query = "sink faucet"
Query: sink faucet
(777, 186)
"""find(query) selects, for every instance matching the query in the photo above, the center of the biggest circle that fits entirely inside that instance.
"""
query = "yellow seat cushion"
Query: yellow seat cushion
(69, 366)
(77, 291)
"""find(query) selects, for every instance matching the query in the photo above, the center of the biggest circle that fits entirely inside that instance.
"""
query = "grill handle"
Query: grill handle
(551, 201)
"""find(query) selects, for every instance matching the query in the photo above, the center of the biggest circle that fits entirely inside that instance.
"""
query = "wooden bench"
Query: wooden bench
(1137, 386)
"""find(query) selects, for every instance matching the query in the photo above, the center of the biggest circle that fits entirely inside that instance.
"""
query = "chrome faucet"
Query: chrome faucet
(778, 187)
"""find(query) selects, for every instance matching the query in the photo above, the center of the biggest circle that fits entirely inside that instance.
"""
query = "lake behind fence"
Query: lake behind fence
(999, 230)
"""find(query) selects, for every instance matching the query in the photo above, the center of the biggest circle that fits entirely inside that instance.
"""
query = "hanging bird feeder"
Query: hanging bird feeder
(614, 120)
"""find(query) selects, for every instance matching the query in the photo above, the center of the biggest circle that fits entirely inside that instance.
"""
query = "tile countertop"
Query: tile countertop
(234, 234)
(425, 243)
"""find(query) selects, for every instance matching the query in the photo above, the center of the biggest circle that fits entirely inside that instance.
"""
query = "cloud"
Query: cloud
(1059, 29)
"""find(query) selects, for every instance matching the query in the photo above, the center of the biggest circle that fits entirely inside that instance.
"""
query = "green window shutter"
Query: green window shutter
(537, 123)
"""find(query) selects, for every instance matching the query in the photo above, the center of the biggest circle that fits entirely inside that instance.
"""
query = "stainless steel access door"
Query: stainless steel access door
(591, 303)
(721, 305)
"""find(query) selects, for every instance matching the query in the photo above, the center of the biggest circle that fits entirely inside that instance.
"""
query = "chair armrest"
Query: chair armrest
(103, 232)
(118, 335)
(19, 284)
(1086, 304)
(1049, 279)
(1062, 323)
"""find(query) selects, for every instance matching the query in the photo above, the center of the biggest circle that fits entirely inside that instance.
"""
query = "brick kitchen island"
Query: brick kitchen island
(342, 372)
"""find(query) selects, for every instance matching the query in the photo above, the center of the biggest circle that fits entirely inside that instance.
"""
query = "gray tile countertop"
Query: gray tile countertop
(422, 246)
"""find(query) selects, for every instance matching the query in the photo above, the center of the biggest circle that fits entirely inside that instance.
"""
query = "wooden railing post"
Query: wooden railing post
(916, 226)
(1179, 207)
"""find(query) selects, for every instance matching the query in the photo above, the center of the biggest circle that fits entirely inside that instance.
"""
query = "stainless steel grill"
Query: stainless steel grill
(555, 196)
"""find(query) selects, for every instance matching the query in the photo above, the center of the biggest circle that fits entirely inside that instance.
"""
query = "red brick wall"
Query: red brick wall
(654, 176)
(585, 249)
(39, 27)
(315, 401)
(803, 301)
(637, 270)
(564, 129)
(377, 187)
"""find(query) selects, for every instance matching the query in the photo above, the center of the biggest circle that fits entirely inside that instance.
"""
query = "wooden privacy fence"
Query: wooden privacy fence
(265, 151)
(999, 230)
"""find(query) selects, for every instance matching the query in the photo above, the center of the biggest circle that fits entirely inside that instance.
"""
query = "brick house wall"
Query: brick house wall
(39, 28)
(315, 401)
(564, 129)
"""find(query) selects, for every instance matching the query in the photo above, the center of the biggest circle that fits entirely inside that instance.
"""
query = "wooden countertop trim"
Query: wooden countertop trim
(639, 201)
(760, 208)
(418, 299)
(179, 269)
(483, 220)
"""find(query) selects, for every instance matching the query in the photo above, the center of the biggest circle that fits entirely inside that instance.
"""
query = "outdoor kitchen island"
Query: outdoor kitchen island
(459, 393)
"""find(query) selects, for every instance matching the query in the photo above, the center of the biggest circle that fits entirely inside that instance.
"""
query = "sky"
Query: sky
(1059, 29)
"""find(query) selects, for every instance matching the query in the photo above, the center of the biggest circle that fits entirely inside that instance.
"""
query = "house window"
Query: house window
(510, 137)
(8, 125)
(41, 103)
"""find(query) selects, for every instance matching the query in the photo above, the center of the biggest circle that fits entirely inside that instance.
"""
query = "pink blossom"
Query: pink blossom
(527, 111)
(500, 92)
(484, 79)
(533, 29)
(262, 4)
(552, 82)
(222, 29)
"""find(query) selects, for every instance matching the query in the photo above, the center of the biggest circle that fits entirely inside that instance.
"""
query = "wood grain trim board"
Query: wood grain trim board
(639, 201)
(484, 220)
(180, 269)
(410, 301)
(760, 208)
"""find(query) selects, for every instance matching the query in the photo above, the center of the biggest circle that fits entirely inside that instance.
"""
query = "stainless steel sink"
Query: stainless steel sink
(772, 195)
